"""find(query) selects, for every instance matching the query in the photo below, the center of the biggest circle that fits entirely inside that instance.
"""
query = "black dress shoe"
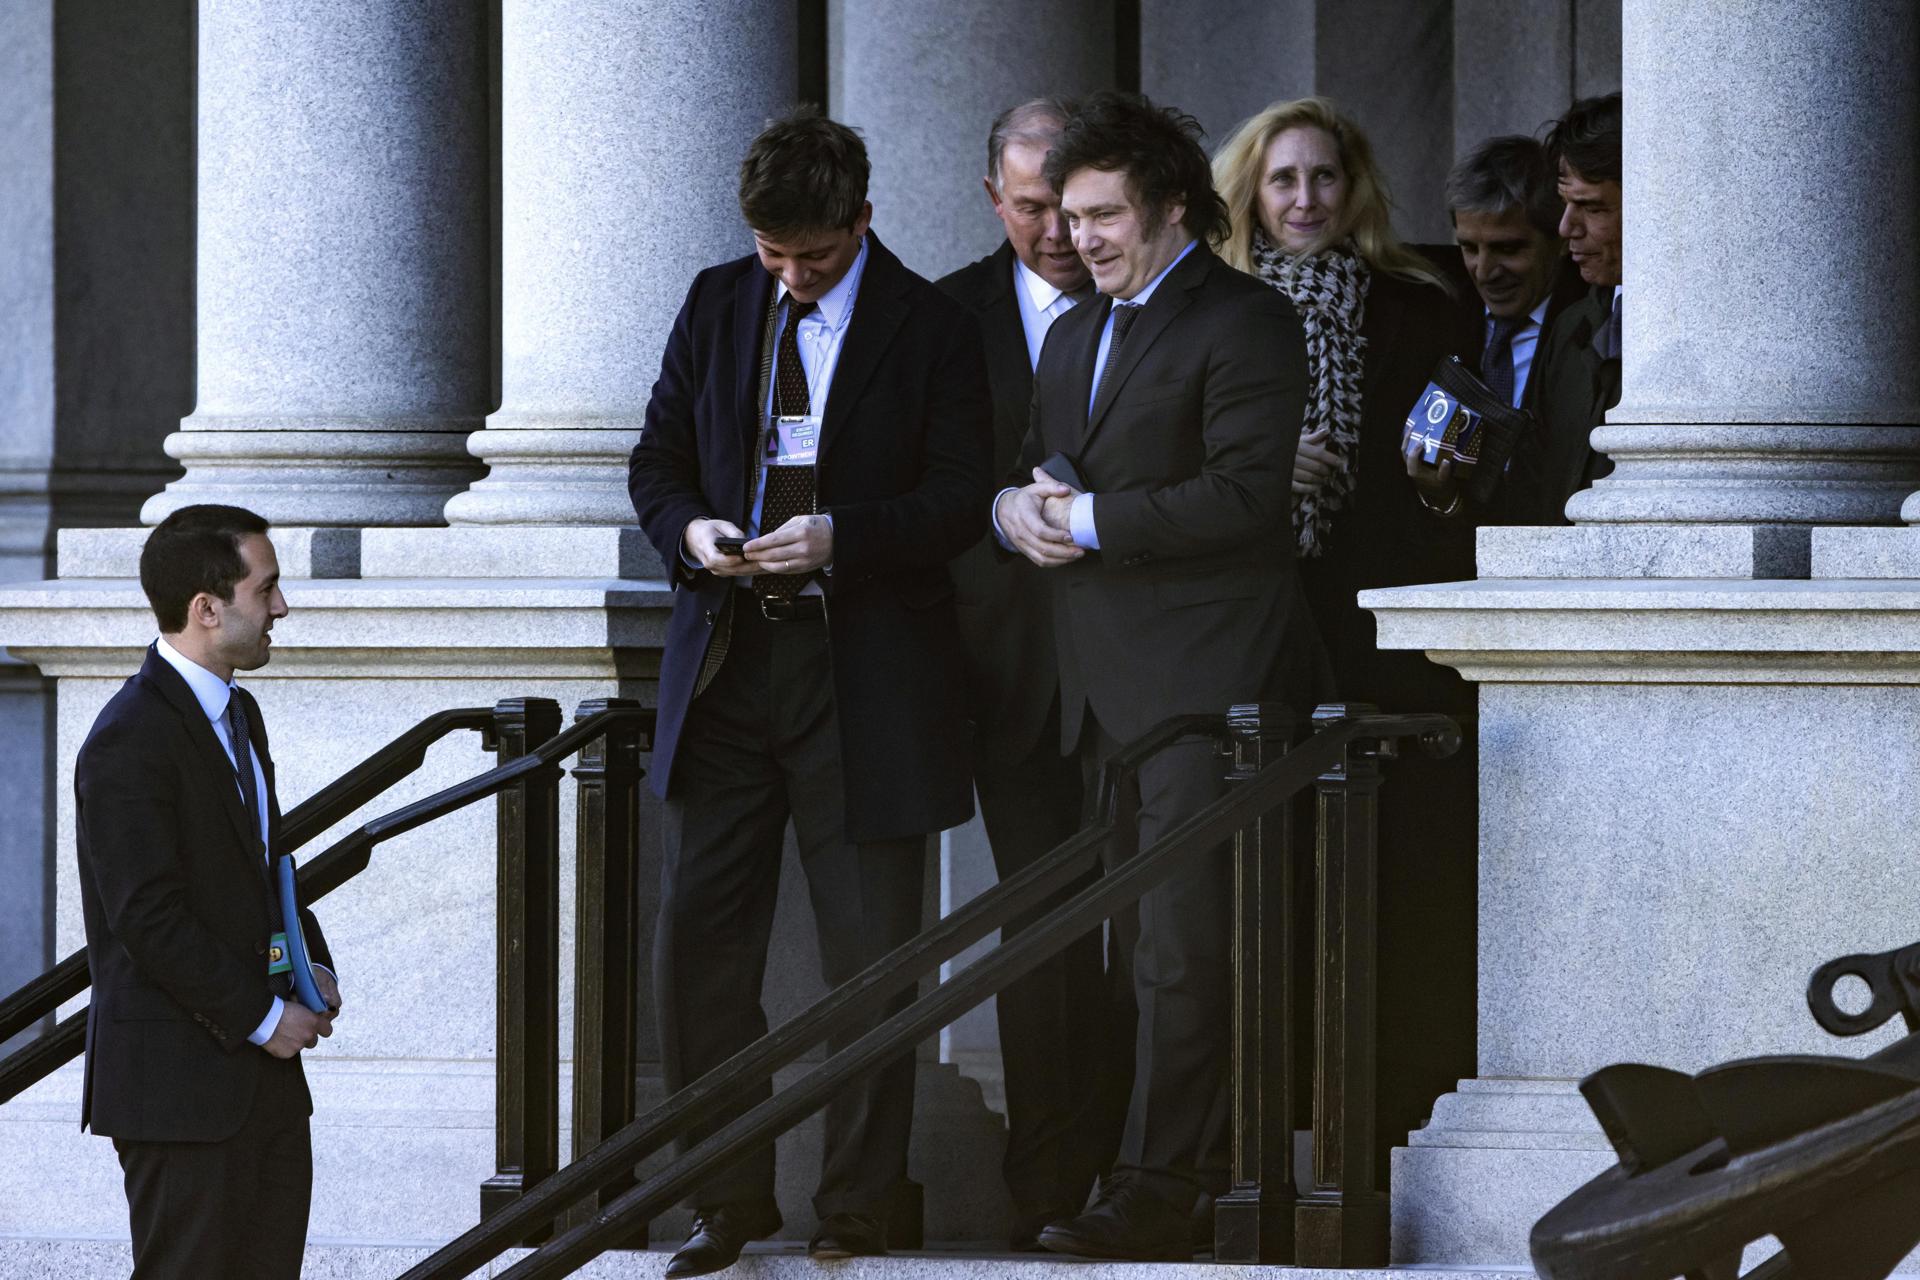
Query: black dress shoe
(719, 1235)
(1127, 1223)
(847, 1235)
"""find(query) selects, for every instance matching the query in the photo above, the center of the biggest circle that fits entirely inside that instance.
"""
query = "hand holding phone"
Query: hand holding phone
(732, 546)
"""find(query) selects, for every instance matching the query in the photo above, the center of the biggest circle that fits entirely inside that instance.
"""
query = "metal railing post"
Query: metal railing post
(1254, 1221)
(527, 1028)
(606, 971)
(1342, 1219)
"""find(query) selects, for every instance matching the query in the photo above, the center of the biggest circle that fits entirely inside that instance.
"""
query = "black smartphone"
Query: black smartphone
(731, 546)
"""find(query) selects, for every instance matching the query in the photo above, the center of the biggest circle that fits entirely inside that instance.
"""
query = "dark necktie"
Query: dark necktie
(1606, 340)
(789, 489)
(1124, 314)
(243, 762)
(1496, 360)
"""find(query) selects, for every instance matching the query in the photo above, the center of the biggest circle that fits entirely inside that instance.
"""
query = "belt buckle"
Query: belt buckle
(777, 608)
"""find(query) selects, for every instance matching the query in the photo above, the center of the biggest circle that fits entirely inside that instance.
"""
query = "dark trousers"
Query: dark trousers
(762, 744)
(236, 1208)
(1050, 1020)
(1175, 952)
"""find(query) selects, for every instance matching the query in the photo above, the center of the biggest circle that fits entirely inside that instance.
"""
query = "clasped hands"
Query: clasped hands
(801, 545)
(1037, 521)
(300, 1027)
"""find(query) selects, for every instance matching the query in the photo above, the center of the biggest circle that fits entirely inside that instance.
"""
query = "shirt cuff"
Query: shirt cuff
(269, 1024)
(993, 514)
(1080, 523)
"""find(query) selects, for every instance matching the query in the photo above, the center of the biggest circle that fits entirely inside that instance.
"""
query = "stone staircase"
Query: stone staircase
(75, 1259)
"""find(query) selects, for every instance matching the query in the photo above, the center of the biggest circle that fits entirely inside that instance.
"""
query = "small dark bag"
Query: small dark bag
(1458, 417)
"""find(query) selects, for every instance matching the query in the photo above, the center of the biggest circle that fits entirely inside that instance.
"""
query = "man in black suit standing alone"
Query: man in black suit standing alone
(193, 1045)
(1050, 1024)
(816, 450)
(1175, 593)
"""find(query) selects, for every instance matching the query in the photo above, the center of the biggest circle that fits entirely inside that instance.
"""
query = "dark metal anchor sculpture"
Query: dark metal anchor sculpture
(1822, 1153)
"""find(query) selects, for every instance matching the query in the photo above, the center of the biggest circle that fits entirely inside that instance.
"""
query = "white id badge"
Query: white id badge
(796, 441)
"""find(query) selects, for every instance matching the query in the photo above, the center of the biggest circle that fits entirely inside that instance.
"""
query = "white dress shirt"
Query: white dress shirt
(1040, 305)
(213, 695)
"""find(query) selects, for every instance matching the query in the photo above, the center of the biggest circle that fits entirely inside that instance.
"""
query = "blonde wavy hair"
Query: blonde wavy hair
(1239, 169)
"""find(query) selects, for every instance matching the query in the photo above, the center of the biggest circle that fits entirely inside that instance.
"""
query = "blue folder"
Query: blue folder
(305, 990)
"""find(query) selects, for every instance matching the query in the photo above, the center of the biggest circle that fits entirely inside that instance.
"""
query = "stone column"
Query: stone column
(622, 128)
(1772, 325)
(343, 286)
(1693, 738)
(922, 80)
(26, 288)
(1390, 65)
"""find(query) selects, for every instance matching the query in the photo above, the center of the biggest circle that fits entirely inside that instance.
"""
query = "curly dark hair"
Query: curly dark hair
(1588, 139)
(1157, 148)
(803, 173)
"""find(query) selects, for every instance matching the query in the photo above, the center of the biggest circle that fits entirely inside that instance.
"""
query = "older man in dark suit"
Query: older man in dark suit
(816, 450)
(193, 1050)
(1051, 1031)
(1174, 593)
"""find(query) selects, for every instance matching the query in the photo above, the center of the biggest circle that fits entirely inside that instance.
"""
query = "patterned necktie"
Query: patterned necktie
(1496, 360)
(1606, 340)
(789, 489)
(243, 762)
(1124, 314)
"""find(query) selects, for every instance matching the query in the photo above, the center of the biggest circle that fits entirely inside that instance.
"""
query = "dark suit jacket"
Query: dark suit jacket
(1191, 604)
(904, 470)
(1387, 537)
(178, 911)
(1006, 607)
(1569, 392)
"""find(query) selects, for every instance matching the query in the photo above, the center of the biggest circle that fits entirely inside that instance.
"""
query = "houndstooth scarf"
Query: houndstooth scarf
(1329, 289)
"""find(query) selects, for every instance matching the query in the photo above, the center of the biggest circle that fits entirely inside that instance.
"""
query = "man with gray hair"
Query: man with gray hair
(1506, 217)
(1050, 1021)
(1505, 214)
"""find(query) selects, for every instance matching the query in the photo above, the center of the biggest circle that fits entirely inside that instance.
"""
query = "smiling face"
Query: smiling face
(1113, 234)
(1304, 190)
(1511, 262)
(1030, 211)
(810, 263)
(1591, 225)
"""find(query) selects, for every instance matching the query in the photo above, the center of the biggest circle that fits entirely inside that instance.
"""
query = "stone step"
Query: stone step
(75, 1259)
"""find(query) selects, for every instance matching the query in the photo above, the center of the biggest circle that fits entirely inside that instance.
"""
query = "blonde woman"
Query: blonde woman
(1310, 216)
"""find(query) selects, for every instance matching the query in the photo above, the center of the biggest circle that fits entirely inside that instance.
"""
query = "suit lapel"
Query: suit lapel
(879, 308)
(1168, 301)
(215, 763)
(751, 295)
(1003, 330)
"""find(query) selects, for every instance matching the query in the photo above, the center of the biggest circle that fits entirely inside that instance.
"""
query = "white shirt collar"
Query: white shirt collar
(1042, 294)
(1140, 299)
(836, 303)
(209, 690)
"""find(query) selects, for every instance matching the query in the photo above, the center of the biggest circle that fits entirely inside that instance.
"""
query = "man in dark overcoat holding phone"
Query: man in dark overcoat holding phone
(828, 409)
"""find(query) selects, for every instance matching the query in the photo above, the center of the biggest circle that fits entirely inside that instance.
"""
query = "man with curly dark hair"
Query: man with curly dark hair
(1163, 512)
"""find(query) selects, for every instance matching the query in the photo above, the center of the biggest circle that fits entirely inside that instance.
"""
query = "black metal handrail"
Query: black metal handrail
(1260, 790)
(517, 1220)
(387, 766)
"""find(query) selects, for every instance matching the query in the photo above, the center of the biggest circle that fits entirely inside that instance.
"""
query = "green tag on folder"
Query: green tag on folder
(278, 961)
